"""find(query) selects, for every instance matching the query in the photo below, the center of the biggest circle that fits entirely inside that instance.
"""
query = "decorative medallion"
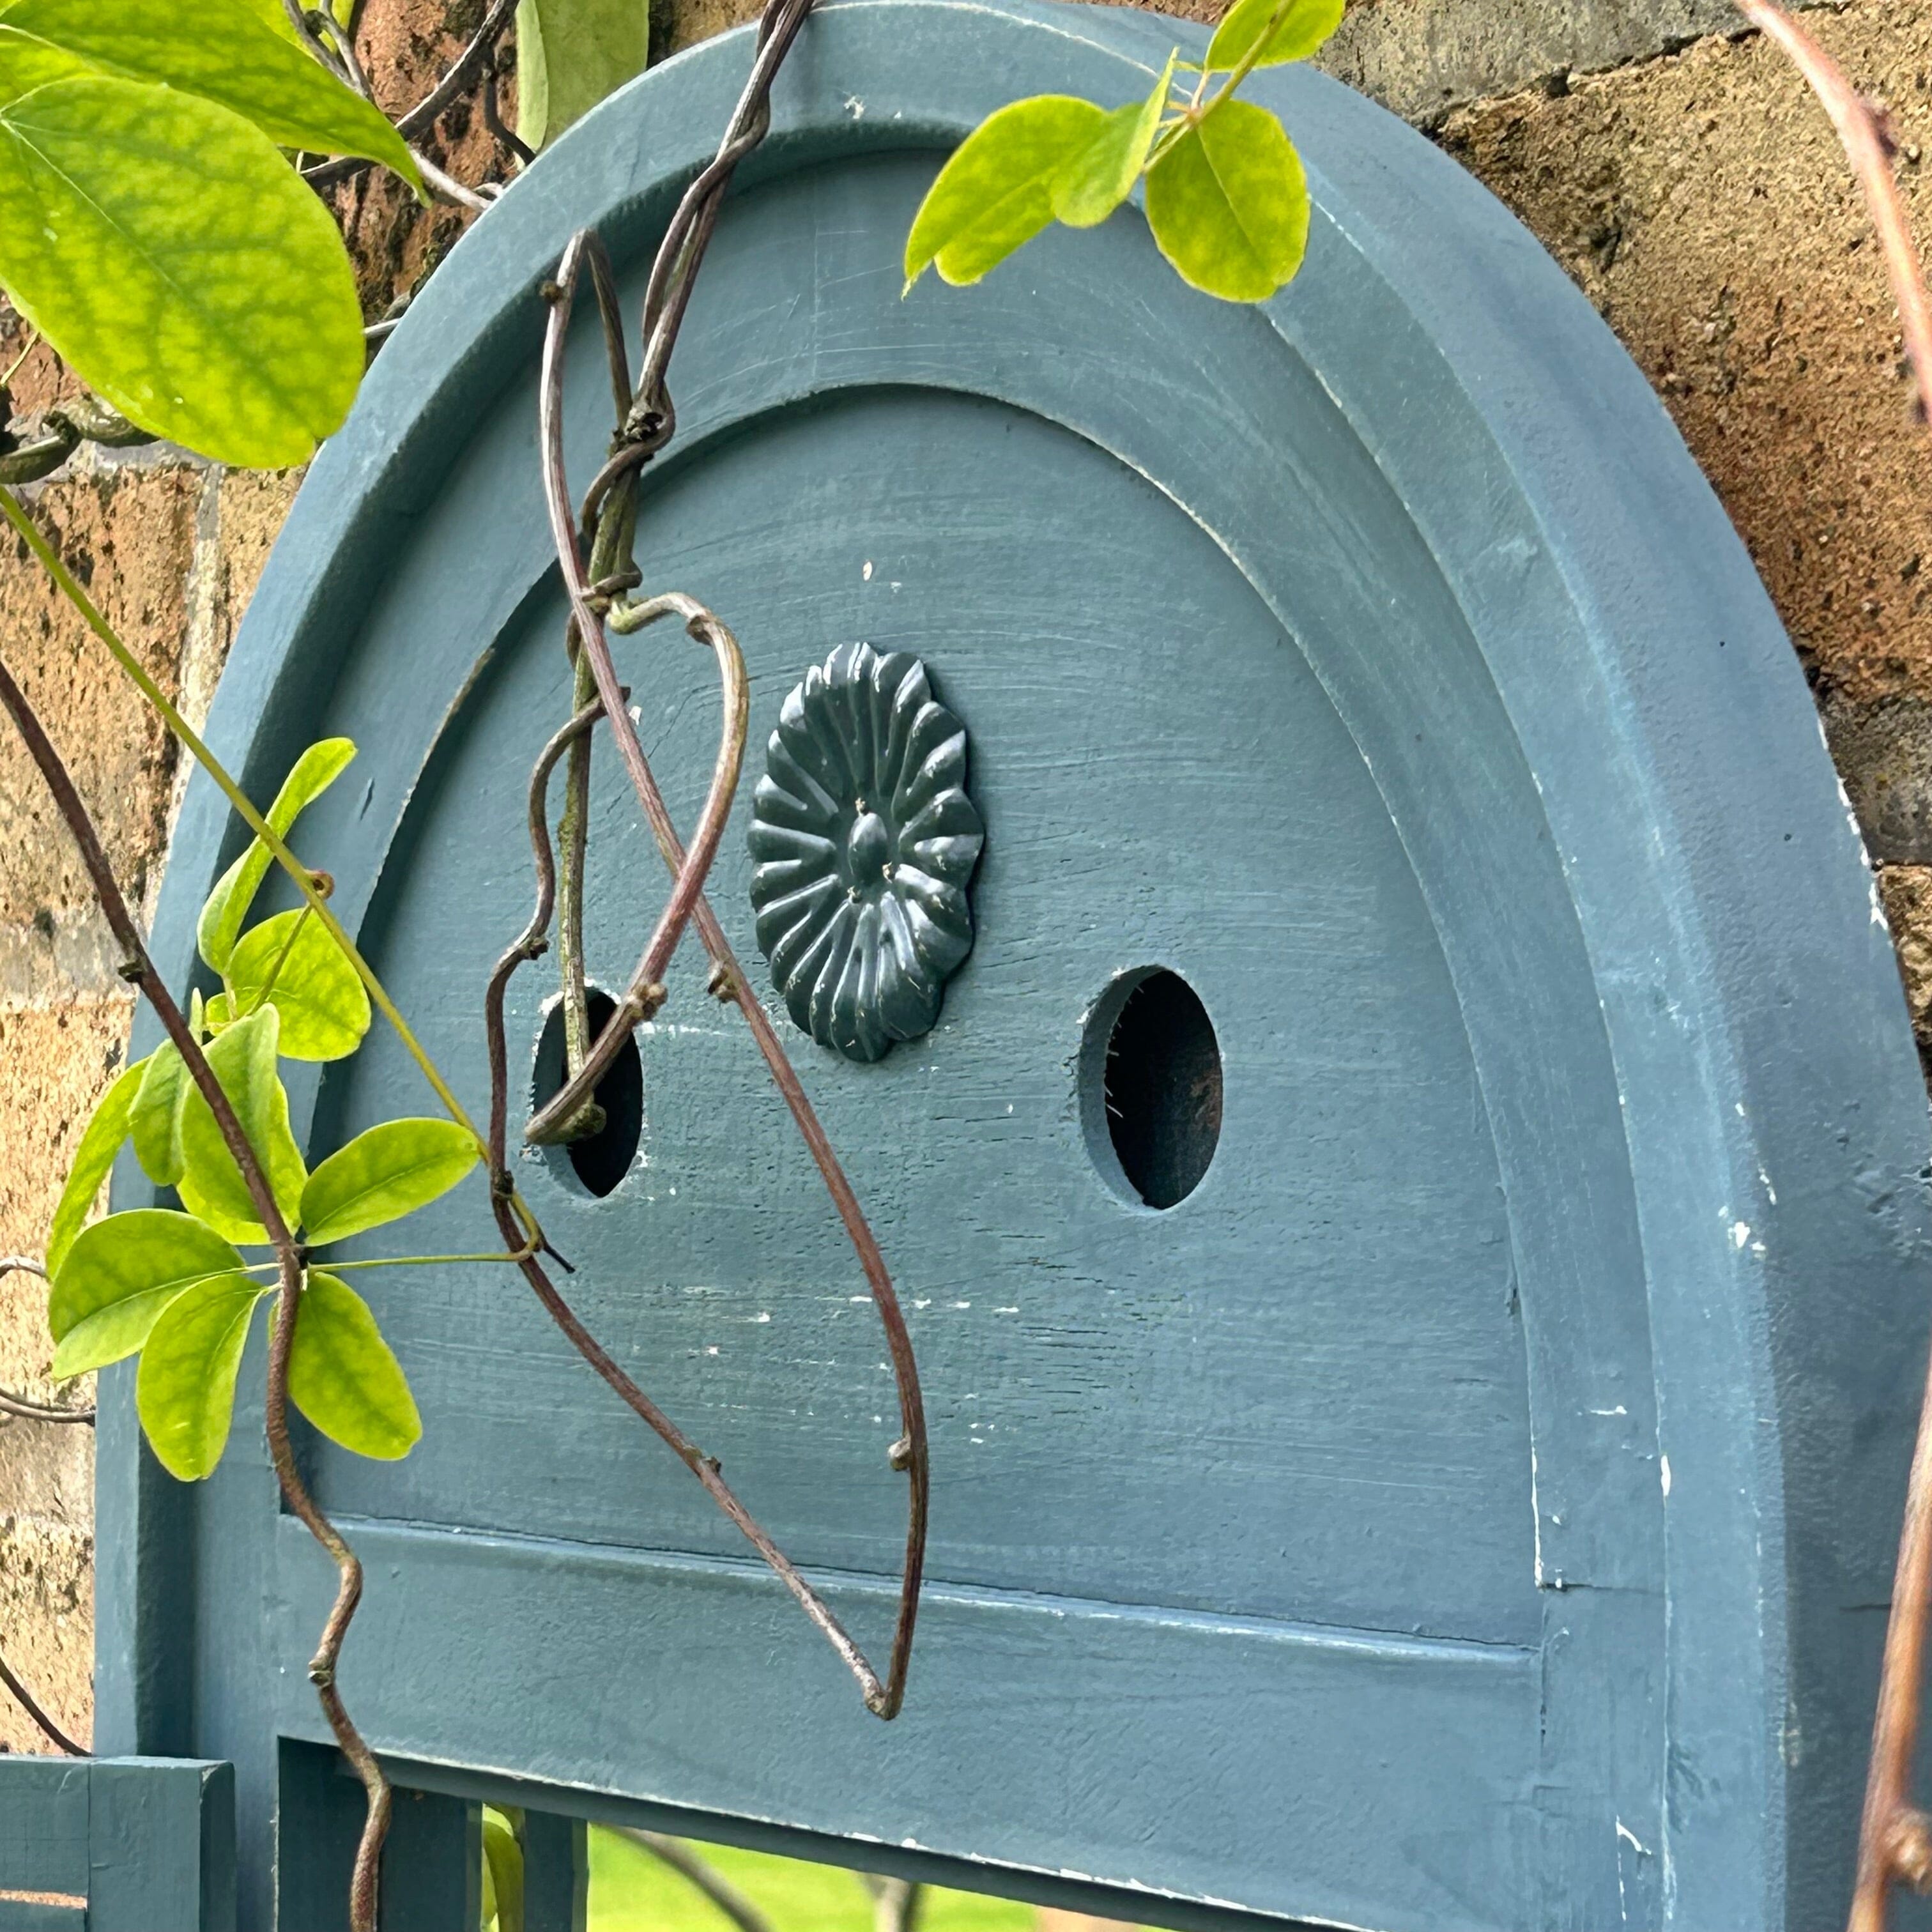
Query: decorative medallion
(863, 841)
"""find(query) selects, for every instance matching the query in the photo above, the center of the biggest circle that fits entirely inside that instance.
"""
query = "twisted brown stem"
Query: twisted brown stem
(138, 968)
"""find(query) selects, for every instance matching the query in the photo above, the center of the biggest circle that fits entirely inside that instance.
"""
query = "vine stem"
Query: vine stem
(31, 1705)
(15, 512)
(645, 429)
(138, 968)
(18, 1406)
(883, 1699)
(1864, 132)
(1895, 1836)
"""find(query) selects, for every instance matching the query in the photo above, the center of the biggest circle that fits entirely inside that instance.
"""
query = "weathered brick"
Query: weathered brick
(46, 1612)
(54, 1064)
(1906, 892)
(129, 536)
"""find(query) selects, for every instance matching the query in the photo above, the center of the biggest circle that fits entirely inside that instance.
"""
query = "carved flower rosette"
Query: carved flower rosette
(863, 842)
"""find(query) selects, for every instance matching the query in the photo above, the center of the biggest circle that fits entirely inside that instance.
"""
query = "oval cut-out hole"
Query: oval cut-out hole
(600, 1160)
(1151, 1079)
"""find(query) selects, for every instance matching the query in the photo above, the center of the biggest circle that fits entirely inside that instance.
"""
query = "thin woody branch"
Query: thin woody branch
(29, 1703)
(1895, 1837)
(18, 1406)
(138, 968)
(1864, 129)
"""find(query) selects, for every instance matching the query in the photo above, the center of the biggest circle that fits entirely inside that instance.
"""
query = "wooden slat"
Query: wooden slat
(149, 1843)
(43, 1803)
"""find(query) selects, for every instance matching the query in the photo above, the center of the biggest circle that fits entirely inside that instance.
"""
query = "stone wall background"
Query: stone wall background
(1672, 163)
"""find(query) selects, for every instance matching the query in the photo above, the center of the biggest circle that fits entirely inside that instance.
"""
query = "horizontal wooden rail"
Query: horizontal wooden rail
(147, 1843)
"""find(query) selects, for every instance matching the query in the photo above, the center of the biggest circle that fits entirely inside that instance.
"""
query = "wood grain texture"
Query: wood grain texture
(1469, 1507)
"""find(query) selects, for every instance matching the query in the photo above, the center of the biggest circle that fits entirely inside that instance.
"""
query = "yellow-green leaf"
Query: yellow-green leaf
(185, 1389)
(93, 1160)
(221, 49)
(292, 963)
(227, 906)
(502, 1872)
(1101, 176)
(1228, 204)
(273, 13)
(119, 1276)
(571, 54)
(343, 1377)
(1299, 29)
(155, 1118)
(243, 1058)
(176, 262)
(384, 1173)
(995, 193)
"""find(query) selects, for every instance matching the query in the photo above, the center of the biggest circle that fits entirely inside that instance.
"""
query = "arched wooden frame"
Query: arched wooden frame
(1587, 728)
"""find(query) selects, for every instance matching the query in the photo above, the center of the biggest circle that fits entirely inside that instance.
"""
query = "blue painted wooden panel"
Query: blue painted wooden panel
(1469, 1507)
(149, 1843)
(1109, 1385)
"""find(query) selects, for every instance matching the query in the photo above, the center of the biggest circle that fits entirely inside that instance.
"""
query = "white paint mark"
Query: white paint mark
(711, 1352)
(1740, 1233)
(763, 1314)
(867, 572)
(1619, 1410)
(1006, 1311)
(855, 107)
(1535, 1516)
(962, 1304)
(1631, 1839)
(1663, 1471)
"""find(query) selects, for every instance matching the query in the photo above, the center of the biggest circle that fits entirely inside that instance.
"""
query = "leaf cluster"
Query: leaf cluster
(1226, 197)
(172, 1286)
(151, 226)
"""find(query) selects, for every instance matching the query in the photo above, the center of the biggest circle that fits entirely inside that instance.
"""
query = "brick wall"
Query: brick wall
(1674, 167)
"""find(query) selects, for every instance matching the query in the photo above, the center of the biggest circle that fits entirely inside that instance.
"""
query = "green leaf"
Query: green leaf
(273, 13)
(216, 1011)
(185, 1389)
(383, 1174)
(221, 49)
(996, 192)
(293, 962)
(156, 1116)
(180, 267)
(312, 774)
(502, 1872)
(119, 1276)
(93, 1160)
(571, 54)
(1303, 26)
(1229, 205)
(244, 1060)
(1101, 176)
(344, 1378)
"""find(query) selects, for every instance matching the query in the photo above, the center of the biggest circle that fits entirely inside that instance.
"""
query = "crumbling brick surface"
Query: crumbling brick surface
(129, 536)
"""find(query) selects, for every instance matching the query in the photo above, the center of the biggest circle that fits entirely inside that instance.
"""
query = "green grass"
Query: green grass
(632, 1891)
